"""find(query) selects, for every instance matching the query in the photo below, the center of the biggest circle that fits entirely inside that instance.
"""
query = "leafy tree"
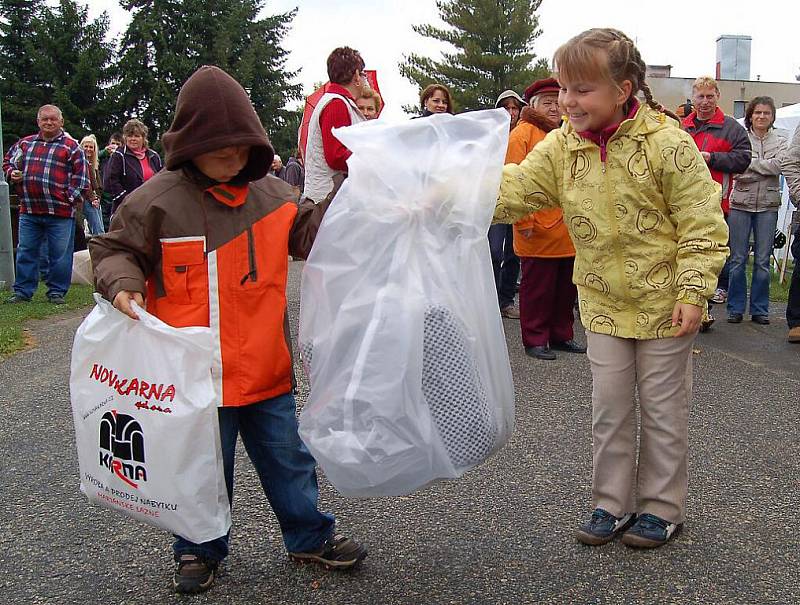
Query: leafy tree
(167, 40)
(283, 135)
(493, 50)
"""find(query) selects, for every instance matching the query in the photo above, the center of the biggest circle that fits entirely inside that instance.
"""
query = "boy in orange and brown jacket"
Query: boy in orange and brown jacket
(541, 240)
(205, 243)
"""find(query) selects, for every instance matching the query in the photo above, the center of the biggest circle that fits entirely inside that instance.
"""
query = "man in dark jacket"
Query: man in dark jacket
(295, 173)
(114, 143)
(206, 242)
(725, 147)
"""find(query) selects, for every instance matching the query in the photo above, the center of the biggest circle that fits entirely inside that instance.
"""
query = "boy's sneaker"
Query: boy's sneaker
(193, 574)
(720, 296)
(17, 298)
(602, 527)
(337, 552)
(650, 531)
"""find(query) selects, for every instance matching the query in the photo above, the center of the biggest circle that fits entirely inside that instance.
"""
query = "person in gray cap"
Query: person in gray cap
(512, 103)
(501, 237)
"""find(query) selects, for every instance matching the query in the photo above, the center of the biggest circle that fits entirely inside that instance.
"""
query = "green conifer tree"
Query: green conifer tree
(167, 40)
(53, 54)
(78, 66)
(492, 50)
(22, 69)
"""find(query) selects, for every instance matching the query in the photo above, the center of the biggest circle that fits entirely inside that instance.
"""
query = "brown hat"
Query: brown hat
(213, 111)
(539, 87)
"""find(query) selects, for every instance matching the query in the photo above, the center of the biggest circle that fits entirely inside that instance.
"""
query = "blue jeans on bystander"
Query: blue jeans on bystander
(36, 231)
(285, 467)
(762, 225)
(504, 263)
(94, 217)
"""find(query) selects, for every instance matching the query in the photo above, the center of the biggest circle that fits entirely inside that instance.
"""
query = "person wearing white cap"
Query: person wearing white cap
(512, 103)
(501, 237)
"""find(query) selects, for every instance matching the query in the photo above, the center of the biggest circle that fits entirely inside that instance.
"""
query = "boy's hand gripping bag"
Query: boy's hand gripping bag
(146, 425)
(400, 331)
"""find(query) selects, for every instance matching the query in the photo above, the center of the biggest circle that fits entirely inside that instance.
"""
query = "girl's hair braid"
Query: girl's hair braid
(623, 61)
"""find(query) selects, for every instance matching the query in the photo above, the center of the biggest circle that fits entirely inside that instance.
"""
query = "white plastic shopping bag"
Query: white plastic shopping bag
(146, 425)
(400, 331)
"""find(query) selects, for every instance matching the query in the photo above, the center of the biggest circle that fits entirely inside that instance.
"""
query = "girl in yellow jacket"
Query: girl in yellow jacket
(650, 239)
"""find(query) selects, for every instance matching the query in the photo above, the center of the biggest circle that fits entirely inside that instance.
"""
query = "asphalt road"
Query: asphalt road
(502, 534)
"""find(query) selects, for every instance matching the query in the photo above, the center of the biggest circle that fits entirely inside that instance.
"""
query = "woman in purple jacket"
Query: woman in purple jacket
(131, 165)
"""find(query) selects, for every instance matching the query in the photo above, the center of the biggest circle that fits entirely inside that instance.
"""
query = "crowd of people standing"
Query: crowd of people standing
(609, 203)
(65, 188)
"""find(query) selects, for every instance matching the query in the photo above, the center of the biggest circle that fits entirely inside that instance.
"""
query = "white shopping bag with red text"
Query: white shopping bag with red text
(146, 424)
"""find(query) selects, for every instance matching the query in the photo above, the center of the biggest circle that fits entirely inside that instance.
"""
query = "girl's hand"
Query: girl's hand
(122, 302)
(688, 317)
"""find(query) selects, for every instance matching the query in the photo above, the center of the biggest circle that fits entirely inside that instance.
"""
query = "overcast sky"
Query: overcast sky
(680, 34)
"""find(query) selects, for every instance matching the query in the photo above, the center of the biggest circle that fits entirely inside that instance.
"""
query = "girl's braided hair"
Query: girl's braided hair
(608, 52)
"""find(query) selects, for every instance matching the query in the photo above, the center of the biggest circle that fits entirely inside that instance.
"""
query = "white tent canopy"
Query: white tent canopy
(787, 118)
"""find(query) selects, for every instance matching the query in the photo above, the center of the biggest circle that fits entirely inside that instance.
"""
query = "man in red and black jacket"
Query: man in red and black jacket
(724, 145)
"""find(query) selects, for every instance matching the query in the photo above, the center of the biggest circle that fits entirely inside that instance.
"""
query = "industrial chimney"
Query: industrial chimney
(733, 57)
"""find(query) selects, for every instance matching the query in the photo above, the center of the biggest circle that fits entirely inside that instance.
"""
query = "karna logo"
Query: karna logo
(122, 447)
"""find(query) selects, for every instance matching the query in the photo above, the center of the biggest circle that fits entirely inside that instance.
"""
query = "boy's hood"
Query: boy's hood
(213, 111)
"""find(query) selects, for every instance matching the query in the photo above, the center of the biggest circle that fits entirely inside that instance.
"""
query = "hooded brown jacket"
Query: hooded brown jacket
(204, 262)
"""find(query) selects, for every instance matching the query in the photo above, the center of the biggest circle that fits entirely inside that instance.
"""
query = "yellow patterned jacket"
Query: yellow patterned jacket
(646, 223)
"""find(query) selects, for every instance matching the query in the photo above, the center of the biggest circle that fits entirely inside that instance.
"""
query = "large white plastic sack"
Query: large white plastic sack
(149, 449)
(400, 331)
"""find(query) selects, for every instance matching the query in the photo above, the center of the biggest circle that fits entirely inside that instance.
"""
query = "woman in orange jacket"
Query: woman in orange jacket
(541, 240)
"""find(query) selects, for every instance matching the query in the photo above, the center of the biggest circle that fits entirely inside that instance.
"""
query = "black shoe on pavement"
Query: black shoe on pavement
(337, 552)
(706, 324)
(193, 574)
(761, 320)
(735, 318)
(57, 300)
(543, 352)
(570, 346)
(16, 298)
(650, 531)
(602, 527)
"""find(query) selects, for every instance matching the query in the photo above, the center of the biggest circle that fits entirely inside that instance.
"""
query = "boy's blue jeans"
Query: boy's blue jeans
(762, 225)
(284, 466)
(58, 235)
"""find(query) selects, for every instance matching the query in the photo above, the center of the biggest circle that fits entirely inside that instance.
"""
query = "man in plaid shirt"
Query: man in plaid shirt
(51, 176)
